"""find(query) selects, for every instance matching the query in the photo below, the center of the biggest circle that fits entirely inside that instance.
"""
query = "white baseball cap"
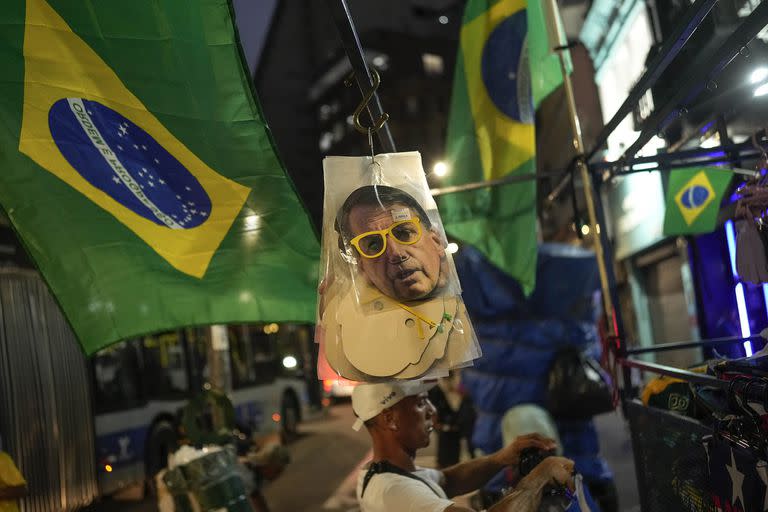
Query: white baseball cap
(368, 400)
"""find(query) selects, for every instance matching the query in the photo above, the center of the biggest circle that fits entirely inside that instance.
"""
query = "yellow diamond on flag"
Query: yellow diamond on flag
(83, 125)
(495, 58)
(694, 197)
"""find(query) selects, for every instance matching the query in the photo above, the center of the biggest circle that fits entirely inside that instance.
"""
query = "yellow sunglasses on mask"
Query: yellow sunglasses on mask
(372, 244)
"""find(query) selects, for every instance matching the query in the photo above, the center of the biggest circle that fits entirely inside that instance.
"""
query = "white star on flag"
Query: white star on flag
(737, 480)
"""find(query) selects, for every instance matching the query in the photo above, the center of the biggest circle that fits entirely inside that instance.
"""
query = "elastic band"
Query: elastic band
(418, 315)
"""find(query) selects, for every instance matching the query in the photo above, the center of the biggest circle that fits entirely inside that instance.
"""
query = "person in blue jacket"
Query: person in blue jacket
(520, 337)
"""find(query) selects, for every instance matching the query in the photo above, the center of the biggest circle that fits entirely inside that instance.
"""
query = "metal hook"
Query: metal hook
(364, 103)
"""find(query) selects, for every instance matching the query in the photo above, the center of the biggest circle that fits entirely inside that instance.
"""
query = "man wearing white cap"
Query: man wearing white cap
(399, 418)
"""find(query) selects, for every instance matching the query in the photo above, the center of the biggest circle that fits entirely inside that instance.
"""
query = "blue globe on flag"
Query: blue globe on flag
(505, 71)
(122, 160)
(694, 196)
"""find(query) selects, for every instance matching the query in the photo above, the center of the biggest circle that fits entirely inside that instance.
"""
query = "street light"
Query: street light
(758, 75)
(440, 169)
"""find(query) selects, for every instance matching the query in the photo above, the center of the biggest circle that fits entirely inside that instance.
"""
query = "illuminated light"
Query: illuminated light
(758, 75)
(761, 91)
(741, 303)
(711, 142)
(585, 230)
(379, 61)
(443, 20)
(289, 362)
(276, 417)
(108, 468)
(440, 169)
(270, 328)
(452, 248)
(730, 237)
(252, 222)
(644, 166)
(765, 295)
(433, 64)
(327, 385)
(326, 402)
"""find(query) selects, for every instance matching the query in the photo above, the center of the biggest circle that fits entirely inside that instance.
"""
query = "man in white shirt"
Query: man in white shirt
(399, 418)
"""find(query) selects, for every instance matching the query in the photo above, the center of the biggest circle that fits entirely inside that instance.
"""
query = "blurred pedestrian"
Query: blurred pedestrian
(455, 419)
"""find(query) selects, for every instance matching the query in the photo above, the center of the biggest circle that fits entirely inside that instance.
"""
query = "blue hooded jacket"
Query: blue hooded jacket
(520, 338)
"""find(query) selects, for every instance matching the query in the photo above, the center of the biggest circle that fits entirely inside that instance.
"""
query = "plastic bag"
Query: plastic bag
(389, 304)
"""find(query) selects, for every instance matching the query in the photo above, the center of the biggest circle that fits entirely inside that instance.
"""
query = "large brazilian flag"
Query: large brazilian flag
(504, 69)
(139, 172)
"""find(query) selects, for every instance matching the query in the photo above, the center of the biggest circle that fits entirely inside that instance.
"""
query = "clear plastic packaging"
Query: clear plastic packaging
(389, 300)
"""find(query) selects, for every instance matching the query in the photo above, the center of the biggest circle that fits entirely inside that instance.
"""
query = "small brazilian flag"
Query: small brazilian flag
(693, 199)
(504, 69)
(139, 172)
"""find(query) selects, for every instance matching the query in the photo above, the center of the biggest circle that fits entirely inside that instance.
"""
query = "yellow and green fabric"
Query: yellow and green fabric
(10, 480)
(139, 172)
(503, 71)
(693, 199)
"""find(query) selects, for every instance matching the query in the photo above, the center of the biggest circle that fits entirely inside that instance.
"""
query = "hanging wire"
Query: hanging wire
(375, 168)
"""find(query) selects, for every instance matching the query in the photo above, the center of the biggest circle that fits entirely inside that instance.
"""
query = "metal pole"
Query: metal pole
(664, 347)
(695, 378)
(556, 42)
(513, 178)
(743, 149)
(349, 38)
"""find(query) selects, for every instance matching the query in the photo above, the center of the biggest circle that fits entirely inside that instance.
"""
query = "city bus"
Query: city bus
(140, 386)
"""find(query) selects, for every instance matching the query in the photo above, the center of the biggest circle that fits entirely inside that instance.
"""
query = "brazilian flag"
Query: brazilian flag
(693, 199)
(139, 172)
(504, 69)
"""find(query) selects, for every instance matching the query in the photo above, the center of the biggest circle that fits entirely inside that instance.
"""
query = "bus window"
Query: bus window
(165, 366)
(252, 356)
(116, 377)
(197, 343)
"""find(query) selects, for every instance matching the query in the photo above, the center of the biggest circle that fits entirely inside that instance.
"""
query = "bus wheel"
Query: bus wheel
(162, 442)
(290, 418)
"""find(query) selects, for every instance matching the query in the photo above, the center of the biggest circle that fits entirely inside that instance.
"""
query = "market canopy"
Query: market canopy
(139, 173)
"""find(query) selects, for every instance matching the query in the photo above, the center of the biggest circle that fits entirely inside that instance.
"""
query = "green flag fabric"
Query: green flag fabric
(503, 70)
(693, 199)
(139, 172)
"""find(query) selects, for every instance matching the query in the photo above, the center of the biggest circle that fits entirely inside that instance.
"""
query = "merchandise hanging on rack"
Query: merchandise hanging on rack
(390, 303)
(752, 238)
